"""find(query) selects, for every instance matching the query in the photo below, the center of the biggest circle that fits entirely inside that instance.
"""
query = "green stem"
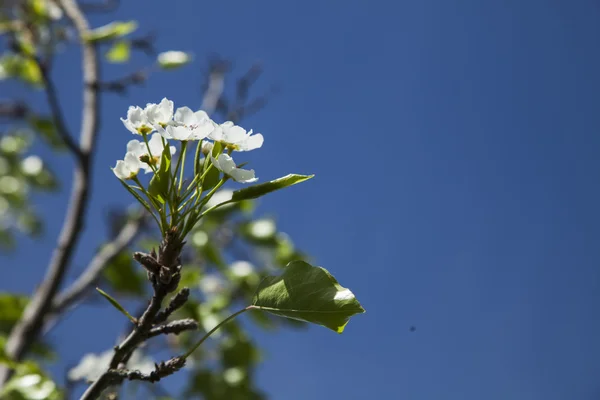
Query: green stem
(197, 156)
(182, 157)
(149, 154)
(213, 330)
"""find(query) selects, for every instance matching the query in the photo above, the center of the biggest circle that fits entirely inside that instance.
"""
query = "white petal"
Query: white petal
(253, 142)
(243, 175)
(201, 131)
(133, 163)
(216, 134)
(129, 126)
(160, 113)
(178, 132)
(156, 145)
(185, 116)
(202, 115)
(224, 163)
(172, 149)
(136, 116)
(136, 147)
(121, 170)
(234, 134)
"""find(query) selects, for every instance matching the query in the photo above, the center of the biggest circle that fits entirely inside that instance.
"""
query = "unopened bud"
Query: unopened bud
(207, 148)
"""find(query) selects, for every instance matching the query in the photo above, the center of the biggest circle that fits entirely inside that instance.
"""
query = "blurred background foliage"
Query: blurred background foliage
(225, 256)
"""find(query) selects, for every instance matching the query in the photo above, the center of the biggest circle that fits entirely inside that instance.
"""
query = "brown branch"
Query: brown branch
(176, 303)
(91, 273)
(121, 85)
(163, 283)
(174, 327)
(57, 114)
(26, 331)
(117, 376)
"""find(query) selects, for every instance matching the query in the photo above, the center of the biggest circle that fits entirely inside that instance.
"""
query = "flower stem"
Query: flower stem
(182, 160)
(213, 330)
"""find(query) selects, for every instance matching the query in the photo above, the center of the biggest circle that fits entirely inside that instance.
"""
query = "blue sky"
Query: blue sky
(455, 151)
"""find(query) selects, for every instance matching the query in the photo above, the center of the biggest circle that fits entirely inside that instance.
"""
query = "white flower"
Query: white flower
(139, 149)
(241, 269)
(129, 167)
(188, 125)
(226, 165)
(32, 165)
(159, 114)
(137, 121)
(235, 137)
(173, 59)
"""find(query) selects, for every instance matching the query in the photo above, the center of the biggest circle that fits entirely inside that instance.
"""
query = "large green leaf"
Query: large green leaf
(256, 191)
(309, 294)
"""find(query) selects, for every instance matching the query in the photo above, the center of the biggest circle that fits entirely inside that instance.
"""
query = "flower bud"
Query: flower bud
(207, 148)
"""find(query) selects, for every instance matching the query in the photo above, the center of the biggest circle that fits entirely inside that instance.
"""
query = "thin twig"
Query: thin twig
(174, 327)
(57, 114)
(91, 273)
(27, 330)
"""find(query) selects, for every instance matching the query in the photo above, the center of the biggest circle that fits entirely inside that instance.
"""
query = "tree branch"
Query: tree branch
(174, 327)
(28, 328)
(92, 272)
(166, 281)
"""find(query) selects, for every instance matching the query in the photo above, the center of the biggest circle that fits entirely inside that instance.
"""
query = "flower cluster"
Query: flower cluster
(183, 125)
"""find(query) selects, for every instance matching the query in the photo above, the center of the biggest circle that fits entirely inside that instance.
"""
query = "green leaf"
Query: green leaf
(212, 177)
(257, 191)
(116, 305)
(110, 31)
(119, 52)
(309, 294)
(123, 276)
(45, 127)
(159, 184)
(11, 308)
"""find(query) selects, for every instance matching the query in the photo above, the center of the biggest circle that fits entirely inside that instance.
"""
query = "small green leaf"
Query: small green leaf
(212, 177)
(159, 184)
(119, 52)
(11, 308)
(309, 294)
(110, 31)
(45, 127)
(116, 305)
(256, 191)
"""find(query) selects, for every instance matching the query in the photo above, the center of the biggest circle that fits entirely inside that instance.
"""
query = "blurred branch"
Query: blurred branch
(104, 6)
(215, 83)
(13, 109)
(91, 273)
(27, 330)
(57, 114)
(121, 85)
